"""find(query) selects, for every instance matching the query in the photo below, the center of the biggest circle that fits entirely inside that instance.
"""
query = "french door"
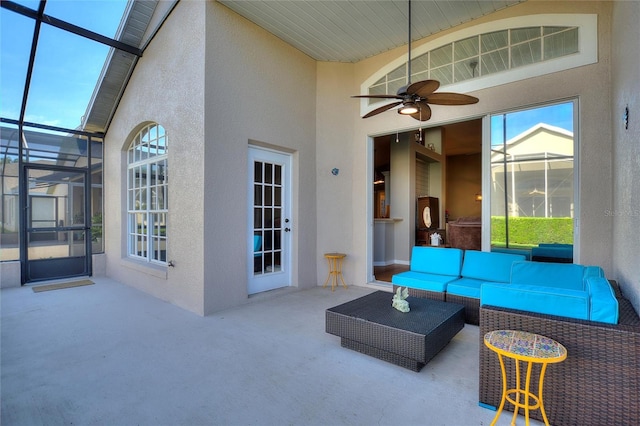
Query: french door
(269, 220)
(56, 228)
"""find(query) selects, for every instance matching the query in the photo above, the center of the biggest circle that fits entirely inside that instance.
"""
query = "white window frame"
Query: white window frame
(149, 187)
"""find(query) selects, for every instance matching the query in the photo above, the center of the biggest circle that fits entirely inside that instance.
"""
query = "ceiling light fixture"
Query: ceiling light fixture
(408, 108)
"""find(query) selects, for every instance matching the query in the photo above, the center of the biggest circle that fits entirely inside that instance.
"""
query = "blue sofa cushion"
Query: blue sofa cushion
(422, 281)
(560, 251)
(436, 260)
(540, 299)
(604, 305)
(593, 271)
(487, 266)
(467, 287)
(559, 275)
(524, 252)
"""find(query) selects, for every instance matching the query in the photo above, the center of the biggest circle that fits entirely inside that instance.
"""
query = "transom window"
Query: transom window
(482, 55)
(147, 202)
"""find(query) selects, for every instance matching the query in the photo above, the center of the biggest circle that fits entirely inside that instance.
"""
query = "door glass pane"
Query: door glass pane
(532, 177)
(266, 218)
(55, 201)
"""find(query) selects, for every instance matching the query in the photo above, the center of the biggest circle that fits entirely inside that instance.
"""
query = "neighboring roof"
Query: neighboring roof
(538, 128)
(537, 143)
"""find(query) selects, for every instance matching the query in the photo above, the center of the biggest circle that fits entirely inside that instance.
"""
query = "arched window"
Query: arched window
(147, 202)
(494, 53)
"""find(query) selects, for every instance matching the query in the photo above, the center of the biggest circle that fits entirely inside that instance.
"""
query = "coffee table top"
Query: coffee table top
(424, 316)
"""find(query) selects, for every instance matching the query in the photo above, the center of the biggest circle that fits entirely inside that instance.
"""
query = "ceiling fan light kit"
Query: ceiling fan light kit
(408, 108)
(415, 98)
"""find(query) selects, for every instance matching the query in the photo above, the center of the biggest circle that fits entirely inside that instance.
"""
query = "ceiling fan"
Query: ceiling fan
(416, 97)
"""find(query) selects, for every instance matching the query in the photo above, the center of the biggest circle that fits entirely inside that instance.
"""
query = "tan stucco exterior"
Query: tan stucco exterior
(218, 83)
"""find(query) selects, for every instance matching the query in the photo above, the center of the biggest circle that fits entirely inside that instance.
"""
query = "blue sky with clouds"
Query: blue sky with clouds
(67, 66)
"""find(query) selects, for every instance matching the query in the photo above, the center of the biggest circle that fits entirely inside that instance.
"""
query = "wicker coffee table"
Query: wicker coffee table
(371, 326)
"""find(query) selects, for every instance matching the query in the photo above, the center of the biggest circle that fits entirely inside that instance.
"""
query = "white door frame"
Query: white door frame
(269, 267)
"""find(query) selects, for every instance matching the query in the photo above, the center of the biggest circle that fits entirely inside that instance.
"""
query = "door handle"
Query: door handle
(287, 229)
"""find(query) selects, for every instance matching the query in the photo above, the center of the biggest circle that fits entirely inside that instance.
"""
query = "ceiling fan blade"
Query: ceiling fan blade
(378, 96)
(445, 98)
(423, 88)
(381, 109)
(425, 112)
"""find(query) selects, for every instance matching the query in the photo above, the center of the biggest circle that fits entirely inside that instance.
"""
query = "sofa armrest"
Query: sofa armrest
(603, 302)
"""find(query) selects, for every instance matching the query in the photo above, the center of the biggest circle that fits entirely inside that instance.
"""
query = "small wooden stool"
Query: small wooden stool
(530, 348)
(335, 269)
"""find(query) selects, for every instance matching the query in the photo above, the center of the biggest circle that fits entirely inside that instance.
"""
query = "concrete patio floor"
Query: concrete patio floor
(107, 354)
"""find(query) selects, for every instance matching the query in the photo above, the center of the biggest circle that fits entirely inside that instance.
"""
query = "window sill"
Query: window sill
(158, 271)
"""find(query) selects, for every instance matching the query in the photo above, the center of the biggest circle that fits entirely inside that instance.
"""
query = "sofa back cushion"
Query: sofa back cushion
(534, 298)
(488, 266)
(436, 260)
(559, 275)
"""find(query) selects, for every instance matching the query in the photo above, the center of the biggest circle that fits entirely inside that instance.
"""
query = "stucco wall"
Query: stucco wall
(589, 83)
(165, 88)
(335, 149)
(258, 89)
(624, 212)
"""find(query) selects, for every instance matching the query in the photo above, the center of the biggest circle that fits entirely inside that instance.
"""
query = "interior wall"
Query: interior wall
(624, 212)
(335, 215)
(403, 196)
(464, 181)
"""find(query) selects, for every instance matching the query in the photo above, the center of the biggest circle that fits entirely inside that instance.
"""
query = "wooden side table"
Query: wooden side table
(335, 269)
(530, 348)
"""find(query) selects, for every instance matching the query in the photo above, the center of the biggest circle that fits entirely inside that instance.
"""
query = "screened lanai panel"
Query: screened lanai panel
(16, 33)
(88, 14)
(65, 73)
(10, 211)
(66, 66)
(55, 150)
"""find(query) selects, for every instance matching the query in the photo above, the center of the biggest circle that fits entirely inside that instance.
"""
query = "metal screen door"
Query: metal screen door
(56, 232)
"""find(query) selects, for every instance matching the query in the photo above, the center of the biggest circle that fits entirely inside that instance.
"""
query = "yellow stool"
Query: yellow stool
(335, 269)
(530, 348)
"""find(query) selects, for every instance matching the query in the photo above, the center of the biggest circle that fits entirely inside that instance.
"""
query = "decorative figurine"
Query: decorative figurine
(436, 239)
(399, 301)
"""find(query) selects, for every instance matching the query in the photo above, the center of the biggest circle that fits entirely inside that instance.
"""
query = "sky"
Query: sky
(559, 115)
(66, 67)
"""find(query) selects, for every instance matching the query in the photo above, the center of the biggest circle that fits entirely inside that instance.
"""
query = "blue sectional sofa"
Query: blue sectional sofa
(573, 304)
(432, 269)
(507, 280)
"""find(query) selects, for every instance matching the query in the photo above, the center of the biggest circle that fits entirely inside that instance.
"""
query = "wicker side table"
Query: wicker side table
(530, 348)
(335, 269)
